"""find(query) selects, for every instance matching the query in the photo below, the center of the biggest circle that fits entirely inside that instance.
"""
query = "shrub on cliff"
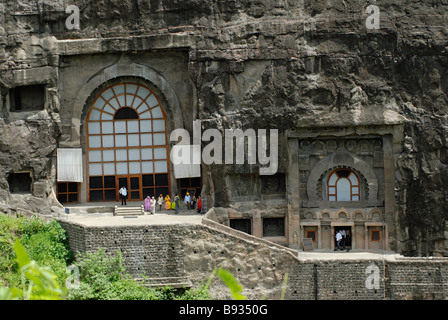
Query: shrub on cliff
(103, 277)
(45, 242)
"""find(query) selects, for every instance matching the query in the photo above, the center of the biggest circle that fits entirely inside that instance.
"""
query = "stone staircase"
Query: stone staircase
(129, 211)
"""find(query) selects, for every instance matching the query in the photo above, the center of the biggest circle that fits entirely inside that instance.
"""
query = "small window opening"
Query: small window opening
(273, 227)
(241, 225)
(20, 182)
(343, 185)
(375, 235)
(27, 98)
(311, 234)
(67, 192)
(190, 185)
(125, 113)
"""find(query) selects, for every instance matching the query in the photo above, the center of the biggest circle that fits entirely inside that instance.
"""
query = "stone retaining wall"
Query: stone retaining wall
(191, 252)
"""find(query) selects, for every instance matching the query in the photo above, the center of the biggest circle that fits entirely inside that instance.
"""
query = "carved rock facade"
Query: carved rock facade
(343, 97)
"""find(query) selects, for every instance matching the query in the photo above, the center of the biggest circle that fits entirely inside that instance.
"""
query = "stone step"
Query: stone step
(129, 211)
(173, 282)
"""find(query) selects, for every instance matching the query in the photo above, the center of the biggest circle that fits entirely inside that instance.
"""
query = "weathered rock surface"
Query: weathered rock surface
(257, 64)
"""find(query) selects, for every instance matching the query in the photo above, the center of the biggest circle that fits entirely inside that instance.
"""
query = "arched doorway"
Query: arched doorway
(127, 143)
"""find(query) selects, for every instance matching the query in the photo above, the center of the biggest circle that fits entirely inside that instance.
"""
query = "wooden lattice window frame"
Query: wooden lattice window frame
(110, 149)
(352, 177)
(67, 190)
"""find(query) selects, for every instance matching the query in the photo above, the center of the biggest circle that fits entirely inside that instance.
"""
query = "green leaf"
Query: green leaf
(6, 294)
(21, 255)
(285, 287)
(232, 283)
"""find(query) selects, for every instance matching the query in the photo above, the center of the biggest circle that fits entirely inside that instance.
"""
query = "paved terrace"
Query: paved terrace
(101, 215)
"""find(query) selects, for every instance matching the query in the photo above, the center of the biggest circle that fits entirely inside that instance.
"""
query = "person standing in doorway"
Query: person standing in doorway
(123, 194)
(338, 240)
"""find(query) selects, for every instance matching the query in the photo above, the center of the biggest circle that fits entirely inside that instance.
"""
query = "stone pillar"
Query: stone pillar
(319, 236)
(293, 197)
(389, 178)
(366, 237)
(257, 225)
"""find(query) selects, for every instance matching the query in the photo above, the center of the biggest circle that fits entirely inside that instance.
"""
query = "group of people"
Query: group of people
(191, 202)
(171, 205)
(150, 202)
(342, 239)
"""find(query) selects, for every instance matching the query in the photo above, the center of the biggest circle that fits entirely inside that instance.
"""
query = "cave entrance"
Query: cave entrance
(346, 232)
(27, 98)
(20, 182)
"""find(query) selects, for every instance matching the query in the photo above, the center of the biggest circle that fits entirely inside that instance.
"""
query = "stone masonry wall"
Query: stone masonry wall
(155, 251)
(417, 279)
(189, 253)
(335, 279)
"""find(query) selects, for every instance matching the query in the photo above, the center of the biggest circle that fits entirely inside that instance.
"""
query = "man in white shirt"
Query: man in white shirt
(338, 240)
(187, 200)
(123, 194)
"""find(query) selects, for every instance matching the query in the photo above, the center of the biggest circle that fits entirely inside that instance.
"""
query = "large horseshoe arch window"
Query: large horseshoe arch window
(127, 144)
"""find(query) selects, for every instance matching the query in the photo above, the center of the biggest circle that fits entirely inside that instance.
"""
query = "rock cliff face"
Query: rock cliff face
(258, 64)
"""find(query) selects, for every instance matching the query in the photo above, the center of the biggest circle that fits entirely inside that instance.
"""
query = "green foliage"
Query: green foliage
(45, 242)
(284, 287)
(9, 231)
(232, 283)
(199, 293)
(235, 287)
(103, 277)
(38, 283)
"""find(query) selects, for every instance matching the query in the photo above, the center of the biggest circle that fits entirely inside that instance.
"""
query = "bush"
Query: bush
(103, 277)
(37, 283)
(45, 242)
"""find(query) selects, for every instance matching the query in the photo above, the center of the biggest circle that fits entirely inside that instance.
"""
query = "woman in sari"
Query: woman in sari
(167, 202)
(148, 204)
(199, 204)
